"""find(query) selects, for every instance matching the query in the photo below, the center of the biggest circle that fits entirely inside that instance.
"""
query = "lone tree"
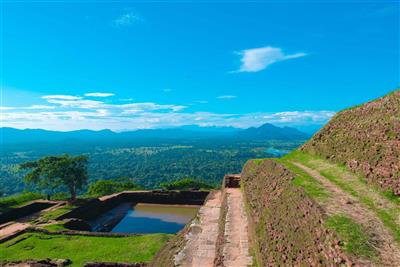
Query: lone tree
(56, 171)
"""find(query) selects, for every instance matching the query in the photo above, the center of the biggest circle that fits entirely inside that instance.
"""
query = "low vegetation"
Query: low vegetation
(54, 214)
(82, 249)
(311, 186)
(108, 187)
(186, 184)
(7, 203)
(355, 186)
(354, 236)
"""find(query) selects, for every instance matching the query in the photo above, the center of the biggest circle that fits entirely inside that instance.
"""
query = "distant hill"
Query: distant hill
(367, 139)
(270, 132)
(263, 133)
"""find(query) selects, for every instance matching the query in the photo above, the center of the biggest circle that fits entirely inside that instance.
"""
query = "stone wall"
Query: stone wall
(286, 225)
(25, 210)
(166, 255)
(96, 207)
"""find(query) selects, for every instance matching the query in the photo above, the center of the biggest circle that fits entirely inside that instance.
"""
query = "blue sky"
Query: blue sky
(127, 65)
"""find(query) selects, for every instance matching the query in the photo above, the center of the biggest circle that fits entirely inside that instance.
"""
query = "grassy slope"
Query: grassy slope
(81, 249)
(7, 203)
(286, 225)
(53, 214)
(353, 236)
(356, 187)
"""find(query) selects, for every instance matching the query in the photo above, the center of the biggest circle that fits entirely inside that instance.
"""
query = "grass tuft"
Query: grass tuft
(354, 238)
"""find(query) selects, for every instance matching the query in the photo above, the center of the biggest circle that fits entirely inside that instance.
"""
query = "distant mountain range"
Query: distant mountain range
(263, 133)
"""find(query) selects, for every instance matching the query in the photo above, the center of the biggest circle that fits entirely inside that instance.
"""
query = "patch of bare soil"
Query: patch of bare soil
(236, 245)
(342, 202)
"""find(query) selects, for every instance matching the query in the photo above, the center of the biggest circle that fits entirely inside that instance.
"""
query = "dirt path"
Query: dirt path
(200, 248)
(236, 246)
(362, 188)
(343, 202)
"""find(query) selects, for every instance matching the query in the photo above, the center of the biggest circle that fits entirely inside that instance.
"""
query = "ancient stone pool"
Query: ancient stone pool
(144, 218)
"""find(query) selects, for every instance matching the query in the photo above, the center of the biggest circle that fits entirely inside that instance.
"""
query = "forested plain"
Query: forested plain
(147, 162)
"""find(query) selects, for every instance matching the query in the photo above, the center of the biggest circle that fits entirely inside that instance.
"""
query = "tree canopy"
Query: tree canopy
(107, 187)
(53, 172)
(186, 184)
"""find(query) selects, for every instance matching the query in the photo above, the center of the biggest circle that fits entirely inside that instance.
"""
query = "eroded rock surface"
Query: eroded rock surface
(366, 139)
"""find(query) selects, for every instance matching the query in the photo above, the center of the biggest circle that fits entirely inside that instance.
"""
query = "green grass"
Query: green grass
(55, 227)
(355, 239)
(312, 187)
(81, 249)
(387, 216)
(53, 214)
(8, 203)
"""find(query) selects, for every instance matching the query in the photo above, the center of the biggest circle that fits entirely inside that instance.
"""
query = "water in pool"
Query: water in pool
(145, 218)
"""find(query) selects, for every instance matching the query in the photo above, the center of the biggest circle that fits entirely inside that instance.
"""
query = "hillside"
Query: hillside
(270, 132)
(307, 209)
(12, 136)
(366, 139)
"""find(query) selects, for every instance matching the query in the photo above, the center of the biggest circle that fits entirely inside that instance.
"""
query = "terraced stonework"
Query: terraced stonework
(236, 243)
(287, 226)
(366, 139)
(201, 239)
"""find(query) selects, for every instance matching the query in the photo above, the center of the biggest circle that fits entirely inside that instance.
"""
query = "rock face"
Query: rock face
(366, 139)
(287, 226)
(77, 224)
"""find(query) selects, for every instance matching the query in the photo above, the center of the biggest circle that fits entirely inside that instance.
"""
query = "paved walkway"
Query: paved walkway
(200, 248)
(236, 245)
(12, 228)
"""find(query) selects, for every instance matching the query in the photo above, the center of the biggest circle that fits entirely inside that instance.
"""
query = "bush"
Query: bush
(186, 184)
(107, 187)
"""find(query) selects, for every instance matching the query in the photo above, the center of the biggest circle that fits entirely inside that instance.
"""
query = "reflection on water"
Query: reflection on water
(146, 218)
(276, 152)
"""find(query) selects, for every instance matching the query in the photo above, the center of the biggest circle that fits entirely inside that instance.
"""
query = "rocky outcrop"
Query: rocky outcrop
(287, 227)
(366, 139)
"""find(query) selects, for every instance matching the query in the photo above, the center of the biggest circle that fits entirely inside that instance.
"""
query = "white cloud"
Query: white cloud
(148, 106)
(127, 19)
(121, 120)
(226, 97)
(99, 94)
(79, 103)
(257, 59)
(6, 108)
(74, 112)
(64, 97)
(41, 107)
